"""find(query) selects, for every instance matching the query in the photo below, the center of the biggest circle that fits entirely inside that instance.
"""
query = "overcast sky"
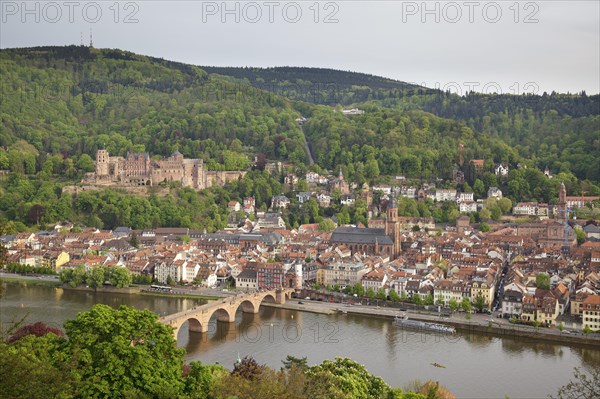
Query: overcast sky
(502, 46)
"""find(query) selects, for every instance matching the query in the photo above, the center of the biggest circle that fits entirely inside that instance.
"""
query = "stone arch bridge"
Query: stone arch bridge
(225, 309)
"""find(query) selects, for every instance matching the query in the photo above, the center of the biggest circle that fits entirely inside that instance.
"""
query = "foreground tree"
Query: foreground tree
(37, 368)
(125, 350)
(585, 384)
(344, 378)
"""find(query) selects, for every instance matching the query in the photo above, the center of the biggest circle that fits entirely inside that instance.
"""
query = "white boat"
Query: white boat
(405, 322)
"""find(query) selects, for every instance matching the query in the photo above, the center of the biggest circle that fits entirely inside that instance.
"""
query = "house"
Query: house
(467, 207)
(347, 199)
(446, 290)
(247, 280)
(280, 201)
(270, 220)
(512, 304)
(592, 231)
(233, 206)
(324, 200)
(270, 275)
(501, 169)
(464, 197)
(303, 196)
(482, 287)
(525, 208)
(494, 192)
(575, 202)
(291, 179)
(590, 313)
(54, 259)
(445, 195)
(344, 273)
(375, 279)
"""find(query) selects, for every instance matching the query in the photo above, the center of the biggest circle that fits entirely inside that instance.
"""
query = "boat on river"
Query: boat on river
(405, 322)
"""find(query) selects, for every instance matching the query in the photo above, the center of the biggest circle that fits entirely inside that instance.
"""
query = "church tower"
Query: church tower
(562, 203)
(392, 225)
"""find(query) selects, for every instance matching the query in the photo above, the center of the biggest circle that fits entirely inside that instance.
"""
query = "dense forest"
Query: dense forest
(60, 104)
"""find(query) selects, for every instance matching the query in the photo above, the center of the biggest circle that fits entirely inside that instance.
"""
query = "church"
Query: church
(553, 232)
(373, 241)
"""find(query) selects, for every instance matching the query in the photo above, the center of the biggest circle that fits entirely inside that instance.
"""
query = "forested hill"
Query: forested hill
(321, 85)
(333, 87)
(72, 100)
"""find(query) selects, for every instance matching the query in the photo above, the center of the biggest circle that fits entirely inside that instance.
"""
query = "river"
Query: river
(476, 366)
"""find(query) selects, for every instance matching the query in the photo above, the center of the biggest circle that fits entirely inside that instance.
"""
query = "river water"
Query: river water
(476, 366)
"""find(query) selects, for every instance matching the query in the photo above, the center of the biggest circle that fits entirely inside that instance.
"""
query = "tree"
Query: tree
(381, 294)
(85, 163)
(125, 350)
(341, 379)
(371, 293)
(95, 276)
(585, 384)
(466, 305)
(77, 277)
(299, 362)
(453, 304)
(542, 280)
(358, 289)
(248, 368)
(587, 330)
(327, 225)
(37, 367)
(416, 298)
(581, 236)
(133, 241)
(479, 302)
(120, 277)
(428, 299)
(201, 379)
(484, 227)
(394, 297)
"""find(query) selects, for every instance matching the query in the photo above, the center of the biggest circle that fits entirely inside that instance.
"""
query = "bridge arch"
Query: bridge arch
(248, 306)
(193, 325)
(223, 314)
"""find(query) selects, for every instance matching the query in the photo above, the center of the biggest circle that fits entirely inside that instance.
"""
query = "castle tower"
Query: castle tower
(102, 163)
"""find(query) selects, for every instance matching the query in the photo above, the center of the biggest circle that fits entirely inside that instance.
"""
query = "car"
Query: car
(300, 303)
(307, 298)
(566, 332)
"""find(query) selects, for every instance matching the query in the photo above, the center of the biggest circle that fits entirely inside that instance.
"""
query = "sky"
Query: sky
(487, 46)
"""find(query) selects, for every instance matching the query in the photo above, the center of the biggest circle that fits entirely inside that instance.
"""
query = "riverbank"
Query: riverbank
(32, 281)
(51, 281)
(179, 295)
(463, 326)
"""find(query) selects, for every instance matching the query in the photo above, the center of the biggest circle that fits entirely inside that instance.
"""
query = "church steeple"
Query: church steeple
(562, 194)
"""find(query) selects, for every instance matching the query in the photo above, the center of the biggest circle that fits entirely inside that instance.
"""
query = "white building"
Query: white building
(445, 195)
(494, 192)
